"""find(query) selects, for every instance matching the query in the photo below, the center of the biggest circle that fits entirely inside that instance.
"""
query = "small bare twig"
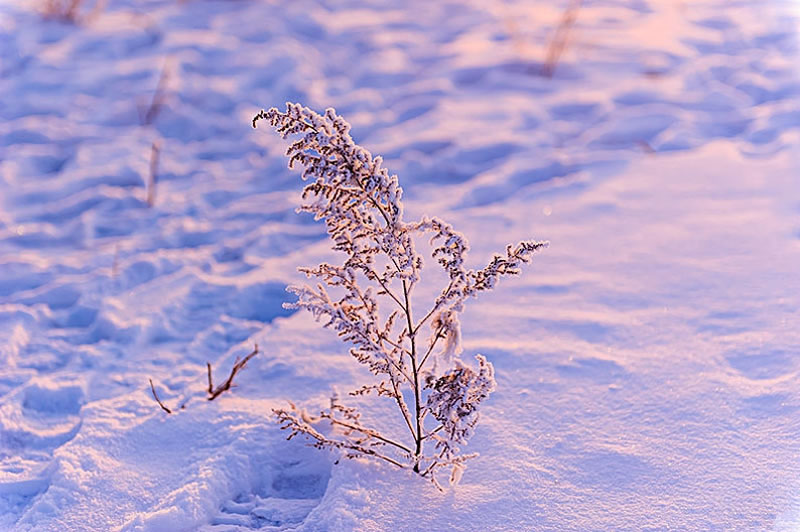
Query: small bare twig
(155, 395)
(558, 43)
(159, 95)
(213, 393)
(646, 146)
(115, 262)
(155, 151)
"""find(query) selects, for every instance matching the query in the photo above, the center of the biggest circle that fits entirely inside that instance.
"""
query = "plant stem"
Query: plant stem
(434, 309)
(436, 336)
(415, 371)
(369, 432)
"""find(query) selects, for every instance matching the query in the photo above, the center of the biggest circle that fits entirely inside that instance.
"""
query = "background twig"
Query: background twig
(560, 39)
(155, 395)
(155, 151)
(213, 393)
(159, 95)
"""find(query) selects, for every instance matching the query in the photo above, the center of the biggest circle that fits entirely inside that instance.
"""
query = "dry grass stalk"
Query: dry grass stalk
(159, 95)
(155, 396)
(155, 151)
(560, 38)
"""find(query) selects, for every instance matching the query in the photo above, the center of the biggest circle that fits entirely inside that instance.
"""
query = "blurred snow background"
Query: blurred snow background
(648, 362)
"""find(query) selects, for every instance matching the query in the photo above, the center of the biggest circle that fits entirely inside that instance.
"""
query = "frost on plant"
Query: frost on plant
(368, 301)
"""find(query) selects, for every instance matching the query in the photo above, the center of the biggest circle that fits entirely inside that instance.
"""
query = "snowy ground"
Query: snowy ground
(648, 363)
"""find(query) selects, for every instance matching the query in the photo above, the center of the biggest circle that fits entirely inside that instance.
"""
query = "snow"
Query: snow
(647, 362)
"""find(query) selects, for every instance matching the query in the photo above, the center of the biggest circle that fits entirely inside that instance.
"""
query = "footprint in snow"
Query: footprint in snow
(42, 415)
(282, 503)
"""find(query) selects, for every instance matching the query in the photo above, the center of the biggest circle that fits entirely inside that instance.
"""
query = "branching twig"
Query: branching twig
(213, 393)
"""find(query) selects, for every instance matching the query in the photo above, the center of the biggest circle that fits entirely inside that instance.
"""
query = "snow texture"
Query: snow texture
(647, 364)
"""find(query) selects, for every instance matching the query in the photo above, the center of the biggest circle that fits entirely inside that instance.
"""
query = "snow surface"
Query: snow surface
(648, 363)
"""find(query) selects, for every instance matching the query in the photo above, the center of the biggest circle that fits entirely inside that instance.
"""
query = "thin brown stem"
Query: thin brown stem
(383, 337)
(434, 309)
(399, 369)
(398, 397)
(366, 336)
(158, 98)
(369, 432)
(152, 182)
(433, 344)
(434, 431)
(364, 450)
(560, 38)
(389, 292)
(155, 396)
(376, 455)
(415, 373)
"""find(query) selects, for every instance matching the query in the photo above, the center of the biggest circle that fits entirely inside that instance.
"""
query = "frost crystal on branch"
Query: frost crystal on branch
(360, 204)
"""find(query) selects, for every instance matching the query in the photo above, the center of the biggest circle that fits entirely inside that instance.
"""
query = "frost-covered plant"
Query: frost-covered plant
(361, 206)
